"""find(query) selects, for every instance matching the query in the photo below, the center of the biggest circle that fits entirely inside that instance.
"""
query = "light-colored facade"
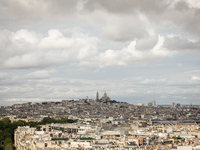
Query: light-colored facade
(88, 137)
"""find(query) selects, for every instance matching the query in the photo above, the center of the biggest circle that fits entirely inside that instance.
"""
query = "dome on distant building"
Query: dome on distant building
(139, 104)
(104, 97)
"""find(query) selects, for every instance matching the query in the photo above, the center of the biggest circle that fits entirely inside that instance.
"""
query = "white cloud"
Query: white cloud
(28, 49)
(40, 74)
(193, 3)
(179, 64)
(25, 36)
(129, 55)
(192, 72)
(24, 61)
(131, 91)
(124, 28)
(154, 81)
(3, 75)
(195, 78)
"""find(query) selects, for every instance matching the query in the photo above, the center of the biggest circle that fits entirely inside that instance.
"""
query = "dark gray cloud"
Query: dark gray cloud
(179, 43)
(146, 43)
(127, 6)
(36, 10)
(181, 6)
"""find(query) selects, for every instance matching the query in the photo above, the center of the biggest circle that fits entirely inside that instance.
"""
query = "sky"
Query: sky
(135, 50)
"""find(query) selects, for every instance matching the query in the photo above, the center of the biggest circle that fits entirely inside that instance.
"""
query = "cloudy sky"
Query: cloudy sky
(136, 50)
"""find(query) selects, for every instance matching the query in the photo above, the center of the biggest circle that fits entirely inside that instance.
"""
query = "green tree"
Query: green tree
(32, 124)
(1, 137)
(62, 120)
(1, 125)
(6, 120)
(8, 147)
(6, 123)
(15, 124)
(38, 127)
(7, 141)
(8, 130)
(47, 120)
(7, 135)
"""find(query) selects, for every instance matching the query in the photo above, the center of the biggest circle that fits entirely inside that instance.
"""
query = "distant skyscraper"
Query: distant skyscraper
(173, 104)
(153, 103)
(97, 96)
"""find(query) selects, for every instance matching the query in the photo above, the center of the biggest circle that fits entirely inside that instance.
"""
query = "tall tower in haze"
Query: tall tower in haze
(153, 103)
(97, 96)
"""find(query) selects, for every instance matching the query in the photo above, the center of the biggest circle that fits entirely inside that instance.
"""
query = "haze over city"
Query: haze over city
(136, 51)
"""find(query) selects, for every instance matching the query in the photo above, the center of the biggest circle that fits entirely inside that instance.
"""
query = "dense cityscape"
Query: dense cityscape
(103, 124)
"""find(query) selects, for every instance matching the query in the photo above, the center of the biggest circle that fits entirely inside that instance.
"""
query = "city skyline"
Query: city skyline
(137, 51)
